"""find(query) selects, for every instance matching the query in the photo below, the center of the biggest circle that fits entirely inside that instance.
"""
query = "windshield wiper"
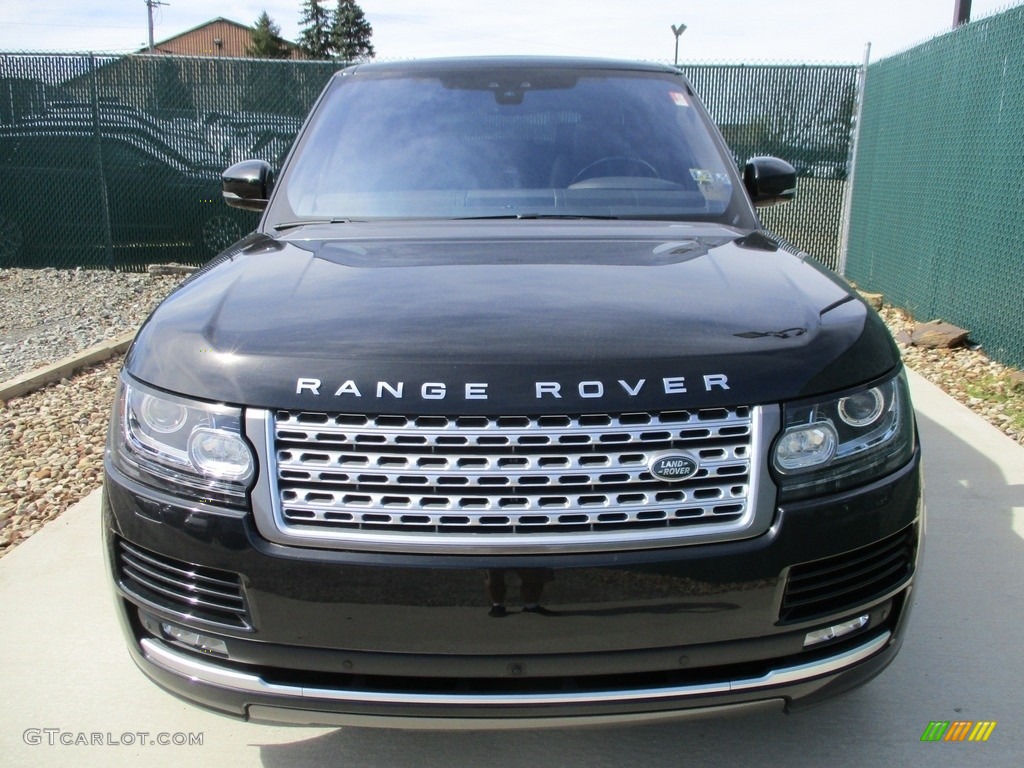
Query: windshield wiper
(293, 224)
(577, 216)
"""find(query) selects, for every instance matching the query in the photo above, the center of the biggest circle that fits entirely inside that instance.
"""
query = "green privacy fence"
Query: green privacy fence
(938, 201)
(114, 161)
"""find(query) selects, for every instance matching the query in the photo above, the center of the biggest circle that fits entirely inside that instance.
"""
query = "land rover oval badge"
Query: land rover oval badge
(673, 467)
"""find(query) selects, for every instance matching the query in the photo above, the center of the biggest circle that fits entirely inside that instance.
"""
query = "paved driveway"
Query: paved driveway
(64, 673)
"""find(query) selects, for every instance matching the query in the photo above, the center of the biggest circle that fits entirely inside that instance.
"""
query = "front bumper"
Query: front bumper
(293, 703)
(329, 637)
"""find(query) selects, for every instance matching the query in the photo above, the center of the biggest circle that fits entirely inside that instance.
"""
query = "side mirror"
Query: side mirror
(769, 180)
(247, 184)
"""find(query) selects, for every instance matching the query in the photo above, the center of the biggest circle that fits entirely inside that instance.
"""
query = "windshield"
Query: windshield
(514, 142)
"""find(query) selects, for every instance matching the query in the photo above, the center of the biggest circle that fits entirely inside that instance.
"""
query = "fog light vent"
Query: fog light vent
(198, 593)
(846, 582)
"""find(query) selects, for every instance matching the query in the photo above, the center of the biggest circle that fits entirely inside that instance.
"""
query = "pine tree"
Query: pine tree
(351, 32)
(315, 39)
(266, 40)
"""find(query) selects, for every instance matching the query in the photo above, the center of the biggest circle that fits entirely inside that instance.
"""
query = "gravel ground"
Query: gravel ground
(992, 390)
(48, 314)
(51, 449)
(51, 441)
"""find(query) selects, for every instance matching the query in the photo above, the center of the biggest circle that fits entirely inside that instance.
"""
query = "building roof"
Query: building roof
(218, 37)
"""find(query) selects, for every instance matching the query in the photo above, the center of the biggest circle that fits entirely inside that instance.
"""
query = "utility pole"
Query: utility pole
(961, 13)
(150, 5)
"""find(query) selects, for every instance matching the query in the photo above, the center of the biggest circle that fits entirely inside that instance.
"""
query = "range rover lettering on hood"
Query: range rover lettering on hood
(478, 390)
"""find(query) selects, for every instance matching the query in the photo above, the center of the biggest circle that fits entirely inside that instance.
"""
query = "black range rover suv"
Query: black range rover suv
(509, 413)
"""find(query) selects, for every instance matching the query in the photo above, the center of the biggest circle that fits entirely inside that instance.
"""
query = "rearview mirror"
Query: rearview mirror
(769, 180)
(247, 184)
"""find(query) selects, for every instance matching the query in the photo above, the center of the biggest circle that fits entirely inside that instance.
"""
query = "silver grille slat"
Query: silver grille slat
(544, 430)
(636, 502)
(507, 483)
(201, 593)
(339, 469)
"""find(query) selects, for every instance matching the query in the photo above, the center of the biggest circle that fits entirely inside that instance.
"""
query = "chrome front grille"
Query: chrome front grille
(508, 483)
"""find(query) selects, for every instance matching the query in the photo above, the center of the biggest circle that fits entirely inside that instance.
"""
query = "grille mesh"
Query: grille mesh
(509, 476)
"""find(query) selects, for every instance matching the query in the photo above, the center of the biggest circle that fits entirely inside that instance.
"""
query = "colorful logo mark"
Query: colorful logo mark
(958, 730)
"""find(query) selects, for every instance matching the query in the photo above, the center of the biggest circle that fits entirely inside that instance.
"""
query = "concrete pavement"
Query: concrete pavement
(65, 675)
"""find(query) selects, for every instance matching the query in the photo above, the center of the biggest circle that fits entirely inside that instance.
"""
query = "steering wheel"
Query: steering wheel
(635, 163)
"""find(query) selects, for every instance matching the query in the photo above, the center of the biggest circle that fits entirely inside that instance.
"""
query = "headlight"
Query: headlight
(829, 445)
(184, 446)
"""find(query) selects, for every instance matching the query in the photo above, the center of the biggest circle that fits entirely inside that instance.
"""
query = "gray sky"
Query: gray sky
(717, 30)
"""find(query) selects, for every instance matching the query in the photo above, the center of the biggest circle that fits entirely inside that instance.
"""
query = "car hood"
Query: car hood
(503, 317)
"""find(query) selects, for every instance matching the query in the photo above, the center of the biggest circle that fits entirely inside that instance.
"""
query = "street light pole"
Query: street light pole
(677, 31)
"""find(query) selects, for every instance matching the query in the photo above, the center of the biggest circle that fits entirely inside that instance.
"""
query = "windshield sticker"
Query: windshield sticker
(679, 98)
(713, 185)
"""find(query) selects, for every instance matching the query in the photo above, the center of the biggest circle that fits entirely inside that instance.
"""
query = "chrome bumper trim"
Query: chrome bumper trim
(210, 674)
(280, 715)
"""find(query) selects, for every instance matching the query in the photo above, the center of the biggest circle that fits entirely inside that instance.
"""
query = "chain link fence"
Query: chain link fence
(803, 114)
(938, 200)
(114, 161)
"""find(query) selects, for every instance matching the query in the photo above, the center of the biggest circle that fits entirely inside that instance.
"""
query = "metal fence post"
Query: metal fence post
(844, 247)
(108, 234)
